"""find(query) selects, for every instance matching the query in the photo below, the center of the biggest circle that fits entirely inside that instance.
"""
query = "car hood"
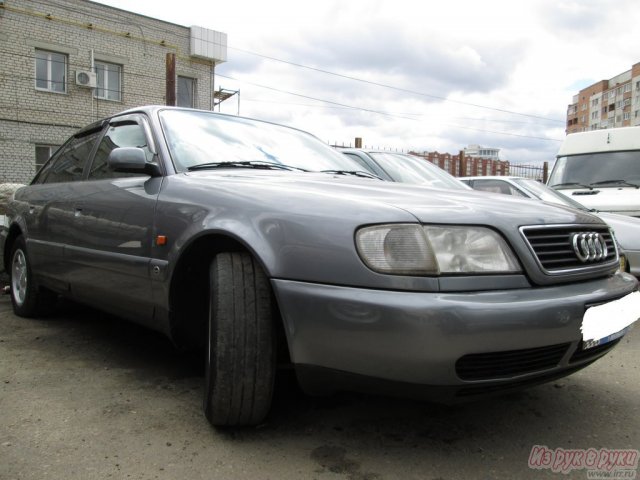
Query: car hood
(355, 196)
(613, 199)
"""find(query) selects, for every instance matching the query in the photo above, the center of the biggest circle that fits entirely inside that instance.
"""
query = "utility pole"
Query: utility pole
(170, 94)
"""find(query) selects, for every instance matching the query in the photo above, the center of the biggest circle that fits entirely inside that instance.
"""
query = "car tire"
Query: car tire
(241, 353)
(27, 298)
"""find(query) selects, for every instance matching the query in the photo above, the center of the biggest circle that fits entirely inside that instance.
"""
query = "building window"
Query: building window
(594, 115)
(627, 102)
(594, 102)
(619, 104)
(109, 79)
(43, 152)
(51, 71)
(186, 92)
(626, 116)
(627, 87)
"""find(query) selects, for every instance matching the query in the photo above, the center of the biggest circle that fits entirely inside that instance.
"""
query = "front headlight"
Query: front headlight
(410, 249)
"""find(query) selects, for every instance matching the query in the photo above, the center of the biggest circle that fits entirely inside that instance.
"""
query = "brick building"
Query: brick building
(607, 103)
(66, 63)
(463, 164)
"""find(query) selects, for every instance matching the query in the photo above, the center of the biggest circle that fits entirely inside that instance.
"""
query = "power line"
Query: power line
(381, 112)
(404, 90)
(411, 114)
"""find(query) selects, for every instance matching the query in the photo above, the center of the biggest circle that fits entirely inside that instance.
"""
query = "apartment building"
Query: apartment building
(478, 151)
(607, 103)
(66, 63)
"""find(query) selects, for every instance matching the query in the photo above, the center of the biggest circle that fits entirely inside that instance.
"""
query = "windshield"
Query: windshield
(410, 169)
(541, 191)
(198, 138)
(588, 169)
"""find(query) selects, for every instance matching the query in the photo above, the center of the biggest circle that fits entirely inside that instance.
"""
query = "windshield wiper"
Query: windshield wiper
(355, 173)
(257, 164)
(616, 182)
(573, 184)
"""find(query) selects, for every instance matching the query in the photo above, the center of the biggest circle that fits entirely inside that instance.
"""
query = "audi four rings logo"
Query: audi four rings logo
(589, 247)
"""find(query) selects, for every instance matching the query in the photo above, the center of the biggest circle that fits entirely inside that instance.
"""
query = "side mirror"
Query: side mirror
(131, 160)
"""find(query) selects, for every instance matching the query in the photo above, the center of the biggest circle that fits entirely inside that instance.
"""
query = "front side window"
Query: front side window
(126, 134)
(109, 80)
(68, 162)
(186, 92)
(51, 71)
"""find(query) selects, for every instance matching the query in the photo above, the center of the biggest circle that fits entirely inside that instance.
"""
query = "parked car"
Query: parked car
(404, 168)
(626, 228)
(264, 246)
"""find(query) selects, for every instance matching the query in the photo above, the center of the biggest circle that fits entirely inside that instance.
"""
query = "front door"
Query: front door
(113, 229)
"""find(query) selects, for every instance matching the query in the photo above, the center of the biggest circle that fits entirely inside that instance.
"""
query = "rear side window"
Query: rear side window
(496, 186)
(68, 163)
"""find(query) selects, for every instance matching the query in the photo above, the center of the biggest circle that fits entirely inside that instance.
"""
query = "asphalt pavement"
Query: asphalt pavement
(88, 396)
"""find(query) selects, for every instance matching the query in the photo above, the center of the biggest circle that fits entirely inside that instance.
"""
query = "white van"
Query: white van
(601, 169)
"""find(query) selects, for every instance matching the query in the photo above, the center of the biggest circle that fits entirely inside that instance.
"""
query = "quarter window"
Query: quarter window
(109, 79)
(51, 71)
(186, 92)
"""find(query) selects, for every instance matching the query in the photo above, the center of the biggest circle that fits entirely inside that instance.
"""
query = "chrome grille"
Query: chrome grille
(554, 250)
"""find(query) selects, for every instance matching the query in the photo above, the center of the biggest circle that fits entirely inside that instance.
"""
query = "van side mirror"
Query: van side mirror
(131, 160)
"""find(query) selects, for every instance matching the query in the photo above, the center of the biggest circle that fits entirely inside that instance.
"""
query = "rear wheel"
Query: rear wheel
(240, 362)
(27, 298)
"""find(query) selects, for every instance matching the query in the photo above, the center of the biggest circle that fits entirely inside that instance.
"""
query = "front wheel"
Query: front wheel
(27, 298)
(241, 353)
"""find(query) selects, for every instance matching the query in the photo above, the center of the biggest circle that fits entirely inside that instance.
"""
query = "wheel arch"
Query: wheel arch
(189, 290)
(14, 232)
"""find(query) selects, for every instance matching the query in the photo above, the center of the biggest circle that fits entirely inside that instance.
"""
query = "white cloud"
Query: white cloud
(524, 57)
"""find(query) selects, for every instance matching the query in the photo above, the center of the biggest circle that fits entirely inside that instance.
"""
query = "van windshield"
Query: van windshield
(596, 169)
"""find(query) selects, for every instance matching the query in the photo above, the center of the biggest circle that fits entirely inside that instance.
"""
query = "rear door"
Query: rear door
(48, 208)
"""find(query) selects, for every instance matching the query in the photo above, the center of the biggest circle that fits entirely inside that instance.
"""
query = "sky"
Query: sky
(415, 75)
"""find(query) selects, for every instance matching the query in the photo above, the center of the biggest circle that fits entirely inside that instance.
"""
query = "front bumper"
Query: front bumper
(417, 338)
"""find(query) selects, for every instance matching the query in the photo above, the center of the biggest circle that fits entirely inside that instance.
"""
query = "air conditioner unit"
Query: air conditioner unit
(86, 78)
